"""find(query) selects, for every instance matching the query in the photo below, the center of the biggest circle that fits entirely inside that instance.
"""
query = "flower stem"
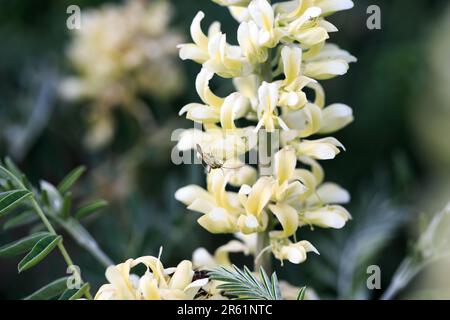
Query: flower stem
(263, 257)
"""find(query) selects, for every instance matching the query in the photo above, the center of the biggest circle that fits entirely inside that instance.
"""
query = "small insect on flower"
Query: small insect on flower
(209, 162)
(200, 274)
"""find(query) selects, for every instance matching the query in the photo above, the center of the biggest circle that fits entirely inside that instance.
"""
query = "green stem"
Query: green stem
(61, 246)
(49, 227)
(263, 258)
(84, 239)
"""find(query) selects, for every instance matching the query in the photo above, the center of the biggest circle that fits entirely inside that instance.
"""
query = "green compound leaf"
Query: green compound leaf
(22, 245)
(40, 250)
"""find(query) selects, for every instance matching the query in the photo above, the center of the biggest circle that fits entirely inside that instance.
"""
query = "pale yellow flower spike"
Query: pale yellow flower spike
(282, 50)
(197, 51)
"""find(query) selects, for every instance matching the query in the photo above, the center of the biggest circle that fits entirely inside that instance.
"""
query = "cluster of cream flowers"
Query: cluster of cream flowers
(120, 51)
(187, 281)
(157, 283)
(245, 244)
(282, 52)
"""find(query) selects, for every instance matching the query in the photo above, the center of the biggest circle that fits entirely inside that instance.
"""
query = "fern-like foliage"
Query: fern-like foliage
(47, 209)
(345, 256)
(243, 285)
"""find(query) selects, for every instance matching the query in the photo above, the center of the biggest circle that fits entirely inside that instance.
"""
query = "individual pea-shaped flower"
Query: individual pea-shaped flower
(268, 94)
(215, 109)
(328, 63)
(315, 117)
(212, 50)
(335, 117)
(249, 41)
(254, 200)
(330, 216)
(261, 12)
(292, 95)
(293, 252)
(307, 28)
(320, 149)
(319, 205)
(219, 207)
(198, 51)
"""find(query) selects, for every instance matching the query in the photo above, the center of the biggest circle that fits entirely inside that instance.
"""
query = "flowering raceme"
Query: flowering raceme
(119, 53)
(157, 283)
(281, 55)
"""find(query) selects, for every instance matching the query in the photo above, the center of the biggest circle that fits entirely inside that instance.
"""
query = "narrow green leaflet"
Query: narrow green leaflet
(11, 166)
(20, 220)
(265, 280)
(13, 176)
(3, 173)
(50, 291)
(74, 294)
(243, 285)
(22, 245)
(301, 293)
(276, 287)
(90, 209)
(71, 178)
(40, 227)
(10, 199)
(41, 249)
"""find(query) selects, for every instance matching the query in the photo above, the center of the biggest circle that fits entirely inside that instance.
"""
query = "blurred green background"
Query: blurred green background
(395, 167)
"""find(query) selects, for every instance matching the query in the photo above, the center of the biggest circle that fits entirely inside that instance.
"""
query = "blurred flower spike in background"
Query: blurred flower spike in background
(122, 52)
